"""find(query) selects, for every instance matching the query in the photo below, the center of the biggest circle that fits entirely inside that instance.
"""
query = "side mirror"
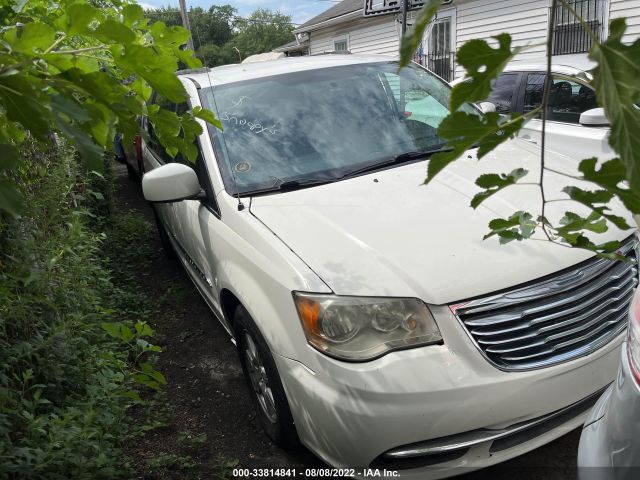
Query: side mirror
(594, 118)
(487, 107)
(172, 182)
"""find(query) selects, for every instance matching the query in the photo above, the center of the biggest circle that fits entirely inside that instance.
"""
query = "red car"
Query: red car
(131, 156)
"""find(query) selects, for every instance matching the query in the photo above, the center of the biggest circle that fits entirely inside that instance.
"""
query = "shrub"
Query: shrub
(68, 363)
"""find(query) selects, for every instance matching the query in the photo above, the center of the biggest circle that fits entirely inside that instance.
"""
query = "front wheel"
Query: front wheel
(263, 380)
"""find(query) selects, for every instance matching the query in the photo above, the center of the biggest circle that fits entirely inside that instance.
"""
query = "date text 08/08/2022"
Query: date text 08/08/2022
(314, 473)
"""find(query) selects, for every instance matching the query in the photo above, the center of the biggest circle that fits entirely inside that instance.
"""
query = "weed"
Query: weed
(74, 343)
(170, 461)
(191, 439)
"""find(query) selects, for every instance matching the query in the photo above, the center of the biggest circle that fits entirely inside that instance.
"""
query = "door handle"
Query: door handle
(528, 138)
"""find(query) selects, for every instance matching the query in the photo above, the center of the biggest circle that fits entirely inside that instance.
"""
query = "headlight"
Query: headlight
(363, 328)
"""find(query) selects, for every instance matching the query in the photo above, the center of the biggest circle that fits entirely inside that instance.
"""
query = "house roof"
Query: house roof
(342, 8)
(292, 46)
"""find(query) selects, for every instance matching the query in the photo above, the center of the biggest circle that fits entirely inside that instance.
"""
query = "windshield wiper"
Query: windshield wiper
(291, 185)
(297, 184)
(401, 158)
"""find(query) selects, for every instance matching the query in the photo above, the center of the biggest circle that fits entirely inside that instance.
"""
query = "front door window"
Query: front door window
(568, 99)
(503, 92)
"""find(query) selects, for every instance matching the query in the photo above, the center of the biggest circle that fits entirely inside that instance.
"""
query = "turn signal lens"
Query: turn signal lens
(363, 328)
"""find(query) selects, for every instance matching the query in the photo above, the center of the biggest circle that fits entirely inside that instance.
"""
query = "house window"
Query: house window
(341, 44)
(569, 35)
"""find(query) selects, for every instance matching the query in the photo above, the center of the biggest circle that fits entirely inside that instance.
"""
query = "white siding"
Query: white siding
(366, 35)
(525, 20)
(631, 10)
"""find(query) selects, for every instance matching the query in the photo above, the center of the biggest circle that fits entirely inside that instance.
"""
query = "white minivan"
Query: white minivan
(373, 323)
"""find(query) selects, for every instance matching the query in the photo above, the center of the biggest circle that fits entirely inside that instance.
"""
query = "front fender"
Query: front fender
(261, 271)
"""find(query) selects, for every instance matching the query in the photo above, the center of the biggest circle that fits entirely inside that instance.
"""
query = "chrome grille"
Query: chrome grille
(569, 315)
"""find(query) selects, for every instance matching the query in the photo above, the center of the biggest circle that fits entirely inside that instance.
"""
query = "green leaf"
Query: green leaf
(493, 183)
(143, 329)
(9, 157)
(112, 31)
(606, 250)
(157, 70)
(597, 201)
(112, 328)
(78, 18)
(126, 333)
(483, 64)
(25, 103)
(70, 107)
(518, 226)
(174, 36)
(573, 223)
(132, 13)
(33, 35)
(132, 395)
(11, 199)
(146, 380)
(187, 57)
(617, 88)
(413, 38)
(207, 116)
(464, 130)
(611, 176)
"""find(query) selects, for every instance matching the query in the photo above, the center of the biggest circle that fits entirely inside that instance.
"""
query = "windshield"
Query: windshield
(317, 125)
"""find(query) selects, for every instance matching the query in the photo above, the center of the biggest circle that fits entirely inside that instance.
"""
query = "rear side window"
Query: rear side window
(503, 93)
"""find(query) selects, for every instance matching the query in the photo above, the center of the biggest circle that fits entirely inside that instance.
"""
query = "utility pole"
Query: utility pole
(185, 22)
(404, 16)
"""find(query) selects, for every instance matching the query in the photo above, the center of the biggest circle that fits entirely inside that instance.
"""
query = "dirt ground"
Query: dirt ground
(207, 424)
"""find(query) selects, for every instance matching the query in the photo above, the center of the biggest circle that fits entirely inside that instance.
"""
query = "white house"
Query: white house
(344, 27)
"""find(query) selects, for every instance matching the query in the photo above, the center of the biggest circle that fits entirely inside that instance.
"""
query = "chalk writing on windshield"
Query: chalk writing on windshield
(238, 102)
(253, 126)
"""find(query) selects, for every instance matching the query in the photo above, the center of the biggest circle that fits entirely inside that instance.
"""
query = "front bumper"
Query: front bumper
(609, 445)
(350, 414)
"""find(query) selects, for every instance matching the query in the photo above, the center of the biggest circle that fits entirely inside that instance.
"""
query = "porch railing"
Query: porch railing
(440, 63)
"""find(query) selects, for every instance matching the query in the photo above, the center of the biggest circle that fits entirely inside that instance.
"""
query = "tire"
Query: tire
(263, 382)
(167, 247)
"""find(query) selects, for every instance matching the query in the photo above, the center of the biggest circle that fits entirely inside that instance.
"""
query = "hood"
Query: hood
(385, 234)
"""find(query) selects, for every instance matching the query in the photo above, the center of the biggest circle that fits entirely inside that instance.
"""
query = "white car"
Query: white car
(576, 125)
(373, 323)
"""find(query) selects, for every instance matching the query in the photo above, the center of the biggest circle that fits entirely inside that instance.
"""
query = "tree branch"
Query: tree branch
(80, 50)
(56, 43)
(544, 106)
